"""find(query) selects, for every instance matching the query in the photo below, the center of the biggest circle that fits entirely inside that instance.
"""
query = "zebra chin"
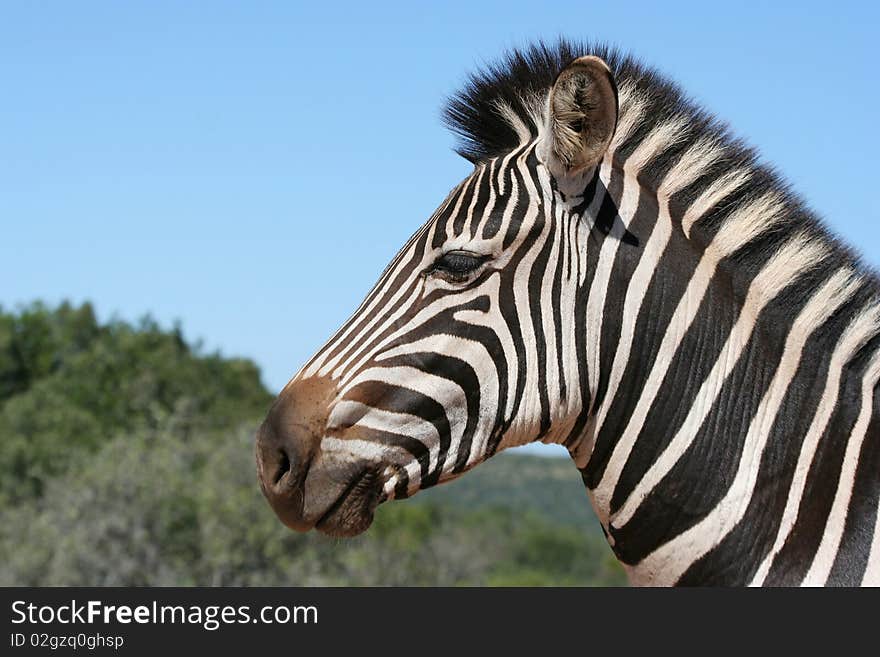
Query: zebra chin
(352, 512)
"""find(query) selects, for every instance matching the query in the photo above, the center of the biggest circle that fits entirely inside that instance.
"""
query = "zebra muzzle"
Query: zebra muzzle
(307, 488)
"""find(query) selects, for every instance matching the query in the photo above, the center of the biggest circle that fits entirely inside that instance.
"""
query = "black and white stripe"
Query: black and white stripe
(674, 316)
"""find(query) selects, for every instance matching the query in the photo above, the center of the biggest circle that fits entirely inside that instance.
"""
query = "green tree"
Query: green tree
(67, 385)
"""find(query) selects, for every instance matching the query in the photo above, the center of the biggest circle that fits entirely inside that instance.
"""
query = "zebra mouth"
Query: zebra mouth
(352, 512)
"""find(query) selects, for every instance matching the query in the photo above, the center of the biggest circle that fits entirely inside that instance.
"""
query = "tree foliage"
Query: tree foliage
(67, 385)
(127, 459)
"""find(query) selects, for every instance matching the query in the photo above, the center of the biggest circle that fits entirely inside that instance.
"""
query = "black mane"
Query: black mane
(472, 113)
(524, 75)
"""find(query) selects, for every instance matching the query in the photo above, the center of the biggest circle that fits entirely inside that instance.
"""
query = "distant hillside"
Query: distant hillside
(549, 486)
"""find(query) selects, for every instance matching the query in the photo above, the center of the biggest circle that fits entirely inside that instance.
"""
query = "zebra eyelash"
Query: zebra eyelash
(457, 266)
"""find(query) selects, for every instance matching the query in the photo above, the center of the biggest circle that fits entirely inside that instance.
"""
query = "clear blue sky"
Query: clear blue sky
(250, 168)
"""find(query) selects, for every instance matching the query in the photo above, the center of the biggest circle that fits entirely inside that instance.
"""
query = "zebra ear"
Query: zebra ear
(581, 117)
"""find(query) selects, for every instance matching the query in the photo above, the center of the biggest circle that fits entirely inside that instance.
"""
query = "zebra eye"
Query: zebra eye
(457, 266)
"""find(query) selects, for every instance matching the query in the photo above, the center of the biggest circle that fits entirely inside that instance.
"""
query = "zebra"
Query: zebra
(619, 275)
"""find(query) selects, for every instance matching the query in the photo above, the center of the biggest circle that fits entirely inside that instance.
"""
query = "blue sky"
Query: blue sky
(250, 168)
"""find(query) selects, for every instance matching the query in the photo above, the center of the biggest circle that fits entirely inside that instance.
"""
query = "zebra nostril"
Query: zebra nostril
(276, 459)
(283, 467)
(287, 445)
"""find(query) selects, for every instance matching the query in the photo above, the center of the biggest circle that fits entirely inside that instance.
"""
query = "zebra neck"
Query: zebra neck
(730, 428)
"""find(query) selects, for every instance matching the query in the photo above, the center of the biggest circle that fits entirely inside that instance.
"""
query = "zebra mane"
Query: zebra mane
(674, 145)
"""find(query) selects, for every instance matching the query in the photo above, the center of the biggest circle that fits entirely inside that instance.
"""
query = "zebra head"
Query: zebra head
(467, 344)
